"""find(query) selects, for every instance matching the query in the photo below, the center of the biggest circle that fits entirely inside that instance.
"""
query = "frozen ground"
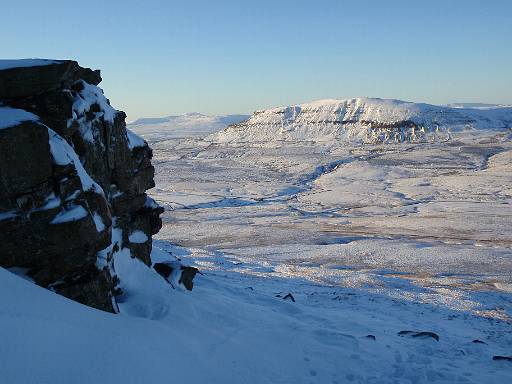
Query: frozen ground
(436, 214)
(235, 327)
(372, 242)
(180, 126)
(423, 225)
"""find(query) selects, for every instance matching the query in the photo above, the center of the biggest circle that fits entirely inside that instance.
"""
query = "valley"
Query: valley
(434, 213)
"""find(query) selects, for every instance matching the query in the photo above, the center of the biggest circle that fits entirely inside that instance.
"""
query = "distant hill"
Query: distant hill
(186, 125)
(478, 105)
(365, 119)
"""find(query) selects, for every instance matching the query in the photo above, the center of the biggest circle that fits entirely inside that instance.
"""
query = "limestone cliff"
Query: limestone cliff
(72, 181)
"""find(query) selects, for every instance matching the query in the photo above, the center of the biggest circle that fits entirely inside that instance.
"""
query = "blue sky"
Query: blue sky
(164, 57)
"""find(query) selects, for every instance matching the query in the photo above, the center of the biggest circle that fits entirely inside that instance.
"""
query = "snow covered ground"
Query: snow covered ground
(236, 327)
(425, 225)
(322, 261)
(435, 214)
(186, 125)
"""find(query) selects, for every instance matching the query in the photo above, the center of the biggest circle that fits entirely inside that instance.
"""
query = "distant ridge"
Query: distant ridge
(368, 120)
(478, 105)
(182, 126)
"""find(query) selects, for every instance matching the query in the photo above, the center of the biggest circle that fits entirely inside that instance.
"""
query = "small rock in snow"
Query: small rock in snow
(289, 296)
(163, 269)
(420, 335)
(187, 277)
(502, 358)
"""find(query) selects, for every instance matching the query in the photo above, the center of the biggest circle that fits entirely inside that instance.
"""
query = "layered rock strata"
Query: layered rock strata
(72, 181)
(365, 120)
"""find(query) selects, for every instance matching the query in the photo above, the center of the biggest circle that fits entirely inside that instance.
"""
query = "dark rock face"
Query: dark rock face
(68, 180)
(30, 81)
(29, 144)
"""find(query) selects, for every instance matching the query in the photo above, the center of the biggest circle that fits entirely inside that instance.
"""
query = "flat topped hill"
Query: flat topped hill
(366, 120)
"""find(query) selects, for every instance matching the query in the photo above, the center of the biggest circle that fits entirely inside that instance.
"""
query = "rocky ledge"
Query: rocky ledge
(72, 181)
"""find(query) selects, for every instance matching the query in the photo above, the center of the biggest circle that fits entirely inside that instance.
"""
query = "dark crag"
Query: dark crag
(54, 221)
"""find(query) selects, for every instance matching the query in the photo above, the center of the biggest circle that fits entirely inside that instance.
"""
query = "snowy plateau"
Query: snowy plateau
(339, 241)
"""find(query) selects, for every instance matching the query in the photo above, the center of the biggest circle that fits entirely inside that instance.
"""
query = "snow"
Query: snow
(237, 328)
(88, 96)
(87, 120)
(74, 213)
(150, 203)
(369, 239)
(137, 237)
(22, 63)
(98, 222)
(478, 105)
(52, 201)
(21, 272)
(8, 215)
(416, 233)
(10, 117)
(134, 140)
(64, 154)
(363, 119)
(182, 126)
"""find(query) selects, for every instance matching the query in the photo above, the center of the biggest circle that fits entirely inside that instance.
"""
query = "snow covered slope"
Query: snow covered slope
(366, 120)
(238, 328)
(186, 125)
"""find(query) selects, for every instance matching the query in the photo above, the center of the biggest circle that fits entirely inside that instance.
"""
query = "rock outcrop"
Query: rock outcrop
(72, 181)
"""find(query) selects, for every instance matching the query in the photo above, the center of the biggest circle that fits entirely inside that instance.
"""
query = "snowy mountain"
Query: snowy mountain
(365, 119)
(186, 125)
(478, 105)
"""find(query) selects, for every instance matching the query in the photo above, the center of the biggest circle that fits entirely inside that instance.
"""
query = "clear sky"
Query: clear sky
(170, 57)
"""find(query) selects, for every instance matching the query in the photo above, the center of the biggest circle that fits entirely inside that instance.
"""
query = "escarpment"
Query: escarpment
(72, 181)
(365, 120)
